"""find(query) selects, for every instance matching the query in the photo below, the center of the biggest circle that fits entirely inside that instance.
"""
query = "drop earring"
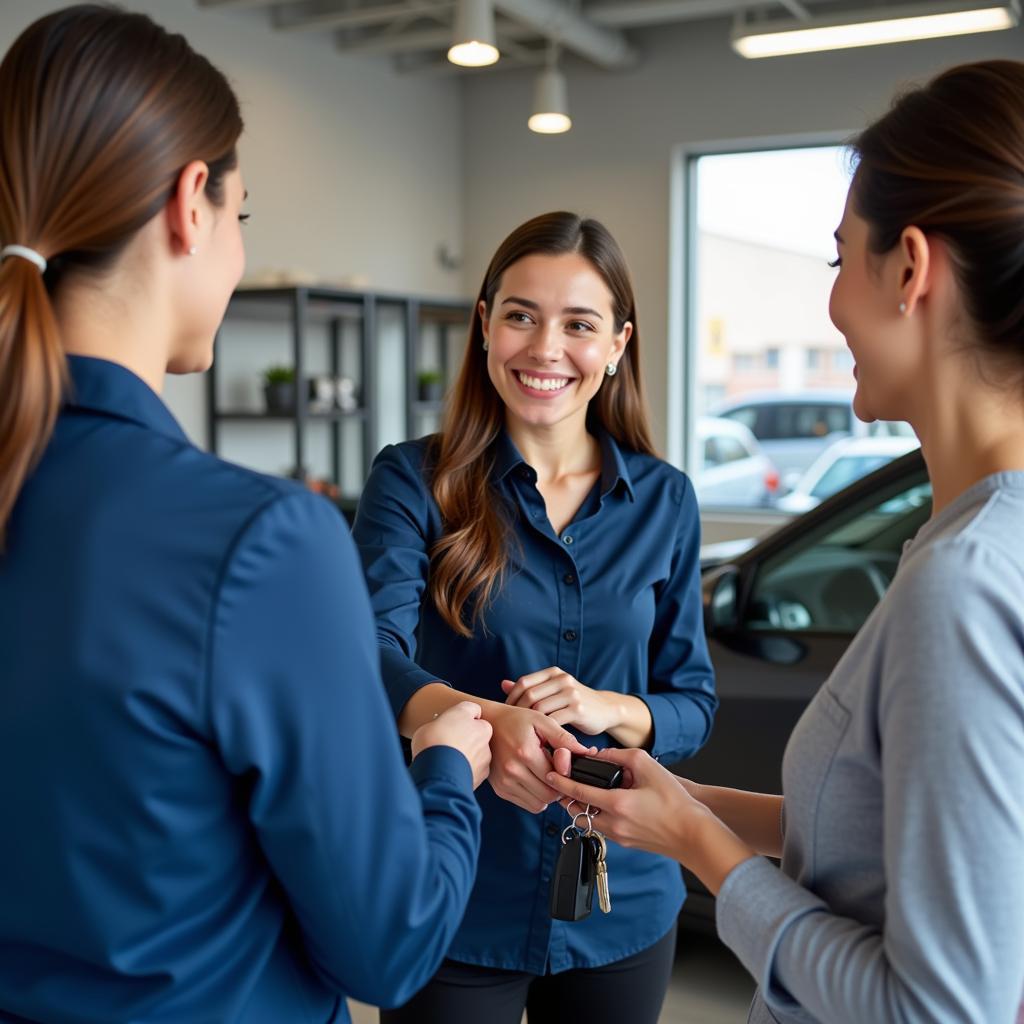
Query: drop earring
(487, 345)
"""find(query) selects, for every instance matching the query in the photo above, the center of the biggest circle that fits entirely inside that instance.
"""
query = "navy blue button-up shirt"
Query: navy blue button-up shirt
(204, 811)
(614, 601)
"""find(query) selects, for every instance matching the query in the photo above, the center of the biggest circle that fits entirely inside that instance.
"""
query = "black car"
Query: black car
(780, 616)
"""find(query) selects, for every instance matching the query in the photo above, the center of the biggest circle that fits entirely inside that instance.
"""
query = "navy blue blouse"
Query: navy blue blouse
(614, 601)
(206, 815)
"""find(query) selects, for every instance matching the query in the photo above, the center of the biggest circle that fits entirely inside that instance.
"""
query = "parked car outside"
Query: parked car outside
(839, 465)
(794, 427)
(733, 470)
(780, 616)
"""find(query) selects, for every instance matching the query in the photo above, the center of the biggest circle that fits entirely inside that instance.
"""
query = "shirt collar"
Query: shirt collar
(99, 385)
(613, 464)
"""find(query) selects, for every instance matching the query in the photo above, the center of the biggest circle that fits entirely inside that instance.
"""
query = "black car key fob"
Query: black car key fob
(592, 771)
(572, 885)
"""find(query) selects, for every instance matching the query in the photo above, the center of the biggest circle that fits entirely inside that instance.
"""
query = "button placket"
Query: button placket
(570, 601)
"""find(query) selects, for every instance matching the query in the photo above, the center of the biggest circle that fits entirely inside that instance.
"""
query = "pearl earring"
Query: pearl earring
(487, 345)
(192, 250)
(903, 307)
(611, 369)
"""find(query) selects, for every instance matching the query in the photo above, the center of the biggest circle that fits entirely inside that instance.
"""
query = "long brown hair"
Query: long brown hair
(468, 563)
(100, 110)
(948, 158)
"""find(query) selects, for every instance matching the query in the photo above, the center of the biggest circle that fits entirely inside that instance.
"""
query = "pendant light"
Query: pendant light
(550, 99)
(474, 44)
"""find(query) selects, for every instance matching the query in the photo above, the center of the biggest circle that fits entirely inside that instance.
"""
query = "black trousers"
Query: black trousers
(630, 990)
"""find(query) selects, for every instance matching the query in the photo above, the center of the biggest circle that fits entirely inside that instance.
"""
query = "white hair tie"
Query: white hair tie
(25, 253)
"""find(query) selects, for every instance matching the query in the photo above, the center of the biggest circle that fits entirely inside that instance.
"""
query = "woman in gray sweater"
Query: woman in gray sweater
(900, 895)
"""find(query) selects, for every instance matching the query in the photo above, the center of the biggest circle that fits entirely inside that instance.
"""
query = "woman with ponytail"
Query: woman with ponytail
(195, 748)
(537, 557)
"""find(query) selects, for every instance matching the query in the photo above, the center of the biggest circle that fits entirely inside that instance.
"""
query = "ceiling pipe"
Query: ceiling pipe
(602, 46)
(361, 17)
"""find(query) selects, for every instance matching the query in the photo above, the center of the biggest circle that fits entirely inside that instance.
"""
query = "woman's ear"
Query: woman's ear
(485, 327)
(915, 268)
(621, 340)
(188, 208)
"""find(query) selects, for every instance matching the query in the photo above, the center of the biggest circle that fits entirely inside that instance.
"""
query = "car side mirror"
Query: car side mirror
(722, 600)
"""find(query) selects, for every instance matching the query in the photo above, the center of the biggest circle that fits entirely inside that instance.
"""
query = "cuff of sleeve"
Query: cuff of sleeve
(755, 906)
(442, 763)
(402, 678)
(669, 728)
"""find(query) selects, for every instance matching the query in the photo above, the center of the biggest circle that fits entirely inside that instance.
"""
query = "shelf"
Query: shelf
(322, 305)
(327, 417)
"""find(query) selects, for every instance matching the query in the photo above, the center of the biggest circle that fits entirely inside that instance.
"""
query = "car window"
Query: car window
(710, 453)
(747, 415)
(780, 421)
(844, 471)
(831, 581)
(731, 449)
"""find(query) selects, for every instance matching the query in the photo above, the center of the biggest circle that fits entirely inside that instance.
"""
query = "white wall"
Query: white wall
(351, 168)
(615, 163)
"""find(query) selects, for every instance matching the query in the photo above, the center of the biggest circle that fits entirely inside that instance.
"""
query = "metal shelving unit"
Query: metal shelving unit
(301, 309)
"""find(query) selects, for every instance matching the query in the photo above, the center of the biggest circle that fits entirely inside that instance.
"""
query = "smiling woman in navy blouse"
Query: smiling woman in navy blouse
(204, 817)
(537, 556)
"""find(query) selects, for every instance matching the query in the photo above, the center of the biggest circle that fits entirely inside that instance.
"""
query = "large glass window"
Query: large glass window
(768, 358)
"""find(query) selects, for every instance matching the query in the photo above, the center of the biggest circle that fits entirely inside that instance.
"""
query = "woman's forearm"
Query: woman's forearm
(755, 817)
(430, 700)
(633, 724)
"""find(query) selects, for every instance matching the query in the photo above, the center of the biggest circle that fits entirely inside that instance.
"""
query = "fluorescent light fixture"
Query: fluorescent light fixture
(871, 28)
(550, 104)
(474, 44)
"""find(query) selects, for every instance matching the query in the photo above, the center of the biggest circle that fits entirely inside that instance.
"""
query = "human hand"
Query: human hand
(563, 698)
(460, 727)
(519, 749)
(652, 811)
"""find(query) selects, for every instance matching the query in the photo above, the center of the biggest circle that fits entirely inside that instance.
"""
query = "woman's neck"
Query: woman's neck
(126, 318)
(563, 449)
(969, 430)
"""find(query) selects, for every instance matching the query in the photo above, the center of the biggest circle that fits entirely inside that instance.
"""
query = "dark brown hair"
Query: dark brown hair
(100, 110)
(948, 158)
(469, 561)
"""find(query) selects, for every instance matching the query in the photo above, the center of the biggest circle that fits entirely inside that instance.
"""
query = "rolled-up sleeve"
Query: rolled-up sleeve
(681, 684)
(391, 532)
(377, 865)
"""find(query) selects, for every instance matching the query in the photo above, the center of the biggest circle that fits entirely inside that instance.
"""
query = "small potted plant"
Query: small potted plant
(279, 389)
(430, 385)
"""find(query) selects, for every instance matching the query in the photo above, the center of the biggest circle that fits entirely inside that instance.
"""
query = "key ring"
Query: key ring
(590, 822)
(589, 812)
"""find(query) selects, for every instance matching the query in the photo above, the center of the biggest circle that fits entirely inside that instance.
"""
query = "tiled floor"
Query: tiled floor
(708, 987)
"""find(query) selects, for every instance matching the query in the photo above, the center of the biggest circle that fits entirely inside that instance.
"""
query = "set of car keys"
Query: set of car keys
(582, 862)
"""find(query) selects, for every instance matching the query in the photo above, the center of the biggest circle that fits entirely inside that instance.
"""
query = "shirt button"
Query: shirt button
(524, 473)
(570, 635)
(567, 538)
(552, 830)
(569, 579)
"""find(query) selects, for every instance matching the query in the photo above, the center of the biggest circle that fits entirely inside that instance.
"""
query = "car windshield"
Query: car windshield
(844, 471)
(829, 581)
